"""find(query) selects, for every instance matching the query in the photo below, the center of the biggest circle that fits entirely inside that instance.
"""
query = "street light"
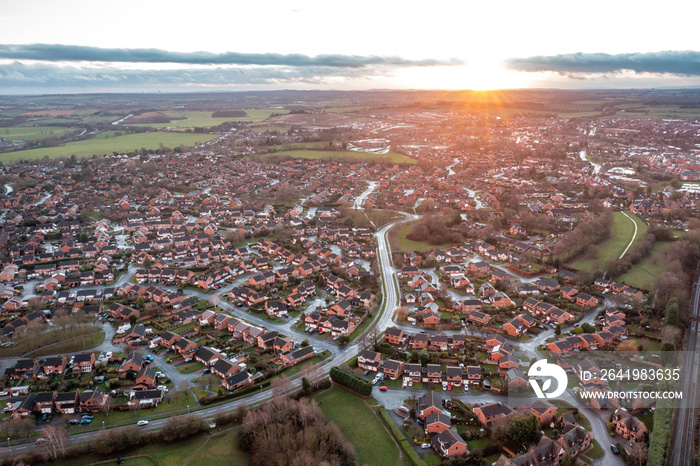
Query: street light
(8, 444)
(188, 409)
(103, 425)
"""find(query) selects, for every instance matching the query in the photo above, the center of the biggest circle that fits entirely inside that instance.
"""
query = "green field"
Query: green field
(56, 342)
(27, 133)
(349, 155)
(121, 144)
(577, 114)
(202, 450)
(644, 274)
(361, 426)
(620, 235)
(199, 119)
(407, 245)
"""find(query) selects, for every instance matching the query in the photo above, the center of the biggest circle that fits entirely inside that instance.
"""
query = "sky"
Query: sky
(60, 46)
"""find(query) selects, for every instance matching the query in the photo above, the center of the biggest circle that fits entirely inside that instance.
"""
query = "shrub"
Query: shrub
(353, 382)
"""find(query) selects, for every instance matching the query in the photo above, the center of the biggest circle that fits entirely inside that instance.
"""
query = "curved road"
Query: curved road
(340, 354)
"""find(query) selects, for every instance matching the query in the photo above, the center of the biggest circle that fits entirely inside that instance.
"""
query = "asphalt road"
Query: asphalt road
(339, 354)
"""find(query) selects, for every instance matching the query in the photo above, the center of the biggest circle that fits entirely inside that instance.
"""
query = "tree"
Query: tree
(57, 439)
(107, 405)
(401, 314)
(639, 454)
(180, 427)
(524, 429)
(557, 330)
(671, 313)
(628, 346)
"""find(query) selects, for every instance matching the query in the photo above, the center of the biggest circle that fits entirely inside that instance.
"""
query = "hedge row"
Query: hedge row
(350, 380)
(401, 438)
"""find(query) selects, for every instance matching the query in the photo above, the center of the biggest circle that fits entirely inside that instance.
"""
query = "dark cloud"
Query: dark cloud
(49, 76)
(680, 63)
(58, 52)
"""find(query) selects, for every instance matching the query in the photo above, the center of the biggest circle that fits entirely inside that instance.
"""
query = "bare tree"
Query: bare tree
(639, 454)
(280, 387)
(57, 439)
(106, 405)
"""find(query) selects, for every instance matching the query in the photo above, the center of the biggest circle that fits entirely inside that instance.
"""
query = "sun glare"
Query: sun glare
(475, 77)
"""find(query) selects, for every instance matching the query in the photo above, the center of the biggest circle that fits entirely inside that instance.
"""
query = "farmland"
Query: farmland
(196, 119)
(30, 133)
(128, 143)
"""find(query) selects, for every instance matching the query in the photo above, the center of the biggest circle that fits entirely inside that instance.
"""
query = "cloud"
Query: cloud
(51, 76)
(60, 53)
(679, 63)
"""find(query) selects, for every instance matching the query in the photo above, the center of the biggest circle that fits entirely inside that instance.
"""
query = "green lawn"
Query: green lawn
(202, 450)
(56, 342)
(407, 245)
(127, 143)
(347, 154)
(383, 217)
(596, 451)
(620, 236)
(190, 368)
(644, 274)
(22, 133)
(361, 426)
(72, 345)
(204, 119)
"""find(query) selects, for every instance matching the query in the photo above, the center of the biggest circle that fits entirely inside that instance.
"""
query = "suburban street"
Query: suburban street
(341, 353)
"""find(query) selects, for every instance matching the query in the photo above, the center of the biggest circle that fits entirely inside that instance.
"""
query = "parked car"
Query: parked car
(425, 445)
(39, 441)
(87, 416)
(614, 449)
(142, 423)
(85, 421)
(73, 422)
(383, 388)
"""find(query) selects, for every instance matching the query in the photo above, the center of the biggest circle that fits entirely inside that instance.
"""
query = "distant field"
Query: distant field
(577, 114)
(271, 128)
(620, 236)
(347, 109)
(359, 156)
(200, 119)
(27, 133)
(661, 111)
(644, 274)
(119, 144)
